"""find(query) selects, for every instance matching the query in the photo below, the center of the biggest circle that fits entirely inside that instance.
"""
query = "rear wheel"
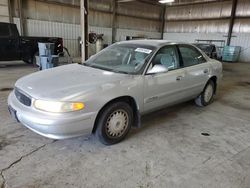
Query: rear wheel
(206, 97)
(114, 123)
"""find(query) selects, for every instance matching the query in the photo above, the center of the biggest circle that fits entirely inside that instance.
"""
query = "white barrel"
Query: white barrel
(46, 49)
(99, 45)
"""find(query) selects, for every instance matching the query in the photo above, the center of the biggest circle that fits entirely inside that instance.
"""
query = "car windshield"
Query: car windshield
(122, 58)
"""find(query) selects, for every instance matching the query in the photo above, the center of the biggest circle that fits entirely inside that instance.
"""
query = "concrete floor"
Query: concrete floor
(169, 151)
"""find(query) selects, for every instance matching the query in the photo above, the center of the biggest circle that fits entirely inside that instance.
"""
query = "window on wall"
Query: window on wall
(167, 56)
(191, 56)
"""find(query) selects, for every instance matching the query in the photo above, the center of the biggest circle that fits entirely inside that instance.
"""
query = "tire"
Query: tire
(114, 123)
(207, 95)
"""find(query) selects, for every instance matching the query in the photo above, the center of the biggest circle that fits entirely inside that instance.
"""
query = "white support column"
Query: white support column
(83, 46)
(20, 10)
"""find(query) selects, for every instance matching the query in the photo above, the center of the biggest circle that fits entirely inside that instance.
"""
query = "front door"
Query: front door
(162, 89)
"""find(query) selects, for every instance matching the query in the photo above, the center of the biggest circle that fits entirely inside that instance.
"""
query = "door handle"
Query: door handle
(205, 71)
(178, 78)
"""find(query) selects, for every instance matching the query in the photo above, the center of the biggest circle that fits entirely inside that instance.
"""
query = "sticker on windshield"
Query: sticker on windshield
(143, 50)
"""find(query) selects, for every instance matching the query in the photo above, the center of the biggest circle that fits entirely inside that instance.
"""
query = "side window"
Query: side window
(191, 56)
(4, 31)
(166, 56)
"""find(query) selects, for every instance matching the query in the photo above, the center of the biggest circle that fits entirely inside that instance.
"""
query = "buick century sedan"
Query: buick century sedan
(108, 94)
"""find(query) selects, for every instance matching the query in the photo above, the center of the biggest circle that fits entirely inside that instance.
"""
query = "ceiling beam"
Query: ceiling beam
(194, 3)
(150, 2)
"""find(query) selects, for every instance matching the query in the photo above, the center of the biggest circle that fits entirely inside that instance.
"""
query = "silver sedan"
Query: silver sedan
(107, 94)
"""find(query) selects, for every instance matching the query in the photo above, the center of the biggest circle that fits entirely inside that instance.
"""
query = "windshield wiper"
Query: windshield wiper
(119, 71)
(85, 64)
(106, 69)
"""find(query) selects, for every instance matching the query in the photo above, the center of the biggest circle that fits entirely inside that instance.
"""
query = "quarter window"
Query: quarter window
(191, 56)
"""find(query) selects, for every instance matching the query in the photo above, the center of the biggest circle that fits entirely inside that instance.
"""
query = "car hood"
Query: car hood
(67, 82)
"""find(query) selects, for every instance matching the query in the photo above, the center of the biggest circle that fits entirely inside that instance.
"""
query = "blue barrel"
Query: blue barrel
(231, 53)
(47, 62)
(47, 59)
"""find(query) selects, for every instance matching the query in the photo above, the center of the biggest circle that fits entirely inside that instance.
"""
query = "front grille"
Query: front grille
(22, 98)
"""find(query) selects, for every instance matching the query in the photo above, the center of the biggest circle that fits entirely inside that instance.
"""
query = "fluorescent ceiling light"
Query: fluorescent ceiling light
(166, 1)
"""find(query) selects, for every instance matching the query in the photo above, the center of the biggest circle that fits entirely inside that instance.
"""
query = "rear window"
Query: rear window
(4, 30)
(190, 55)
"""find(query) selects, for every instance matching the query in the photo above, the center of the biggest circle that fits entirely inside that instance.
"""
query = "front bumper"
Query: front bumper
(52, 125)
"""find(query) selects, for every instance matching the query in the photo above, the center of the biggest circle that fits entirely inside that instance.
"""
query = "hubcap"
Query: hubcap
(117, 123)
(208, 93)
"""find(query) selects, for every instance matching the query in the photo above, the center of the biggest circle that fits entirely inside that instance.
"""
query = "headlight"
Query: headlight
(57, 107)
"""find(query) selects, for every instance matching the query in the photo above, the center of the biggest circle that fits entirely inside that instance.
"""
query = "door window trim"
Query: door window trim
(180, 55)
(153, 56)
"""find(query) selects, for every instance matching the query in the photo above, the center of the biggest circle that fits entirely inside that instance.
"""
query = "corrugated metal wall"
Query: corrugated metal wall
(205, 18)
(50, 19)
(4, 11)
(209, 21)
(183, 23)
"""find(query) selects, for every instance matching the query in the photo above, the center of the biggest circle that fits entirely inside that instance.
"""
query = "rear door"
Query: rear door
(9, 48)
(196, 69)
(162, 89)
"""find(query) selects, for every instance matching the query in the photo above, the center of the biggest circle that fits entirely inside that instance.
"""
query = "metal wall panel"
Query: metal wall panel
(100, 19)
(216, 10)
(242, 26)
(191, 37)
(125, 22)
(138, 9)
(67, 2)
(103, 5)
(243, 40)
(243, 8)
(50, 12)
(122, 33)
(4, 11)
(199, 11)
(209, 26)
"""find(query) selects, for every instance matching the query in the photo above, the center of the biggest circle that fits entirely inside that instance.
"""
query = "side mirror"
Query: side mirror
(158, 69)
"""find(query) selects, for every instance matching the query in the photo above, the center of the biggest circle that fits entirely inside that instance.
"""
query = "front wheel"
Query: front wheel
(206, 97)
(114, 123)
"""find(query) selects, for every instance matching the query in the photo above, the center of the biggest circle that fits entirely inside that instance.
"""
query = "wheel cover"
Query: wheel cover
(208, 93)
(117, 123)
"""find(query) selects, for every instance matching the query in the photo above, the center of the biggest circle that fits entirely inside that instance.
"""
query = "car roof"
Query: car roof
(203, 44)
(150, 42)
